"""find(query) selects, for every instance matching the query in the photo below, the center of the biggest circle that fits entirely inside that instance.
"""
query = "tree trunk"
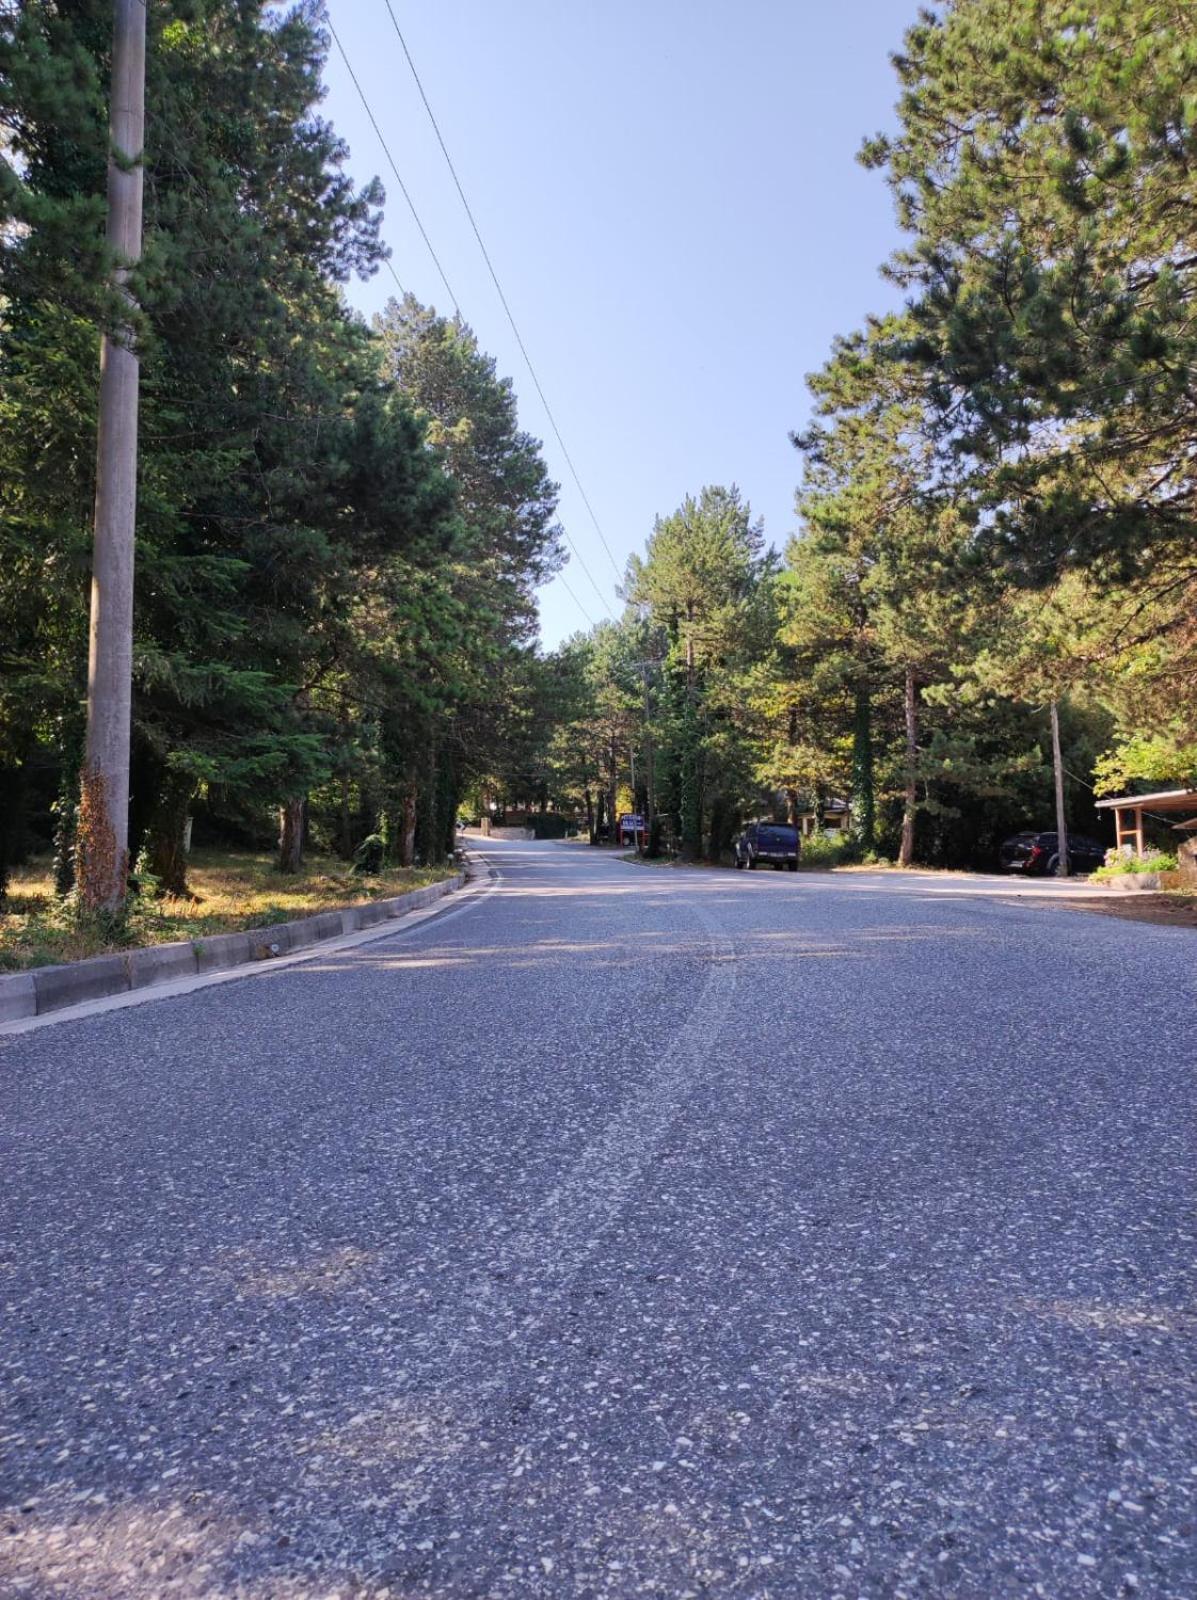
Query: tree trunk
(65, 810)
(292, 816)
(910, 804)
(864, 803)
(164, 835)
(591, 831)
(719, 830)
(11, 820)
(690, 844)
(448, 798)
(1062, 865)
(425, 782)
(612, 788)
(408, 816)
(345, 823)
(147, 772)
(102, 841)
(690, 787)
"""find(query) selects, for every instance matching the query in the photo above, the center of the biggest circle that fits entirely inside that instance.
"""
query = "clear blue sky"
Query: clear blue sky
(669, 192)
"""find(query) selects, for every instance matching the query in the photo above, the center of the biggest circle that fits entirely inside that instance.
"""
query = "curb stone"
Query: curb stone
(80, 980)
(160, 963)
(223, 950)
(42, 989)
(18, 997)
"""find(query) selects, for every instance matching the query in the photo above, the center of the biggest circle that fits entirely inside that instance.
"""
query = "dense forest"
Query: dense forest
(997, 493)
(342, 527)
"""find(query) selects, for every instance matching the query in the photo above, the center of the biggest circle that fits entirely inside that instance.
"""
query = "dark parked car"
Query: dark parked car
(772, 842)
(1038, 854)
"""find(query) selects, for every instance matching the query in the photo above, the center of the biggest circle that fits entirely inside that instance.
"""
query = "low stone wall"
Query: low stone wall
(29, 994)
(1138, 882)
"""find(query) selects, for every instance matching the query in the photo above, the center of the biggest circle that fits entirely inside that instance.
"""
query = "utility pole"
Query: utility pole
(104, 790)
(1062, 868)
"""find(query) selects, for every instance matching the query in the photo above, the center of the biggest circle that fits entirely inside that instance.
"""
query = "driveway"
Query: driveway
(616, 1232)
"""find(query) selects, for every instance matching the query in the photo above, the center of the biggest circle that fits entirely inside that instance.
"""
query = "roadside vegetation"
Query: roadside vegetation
(340, 527)
(997, 502)
(1155, 861)
(228, 892)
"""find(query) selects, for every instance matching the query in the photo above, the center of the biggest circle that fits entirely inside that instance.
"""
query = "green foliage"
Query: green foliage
(1121, 865)
(370, 856)
(1044, 168)
(341, 530)
(704, 588)
(339, 534)
(818, 853)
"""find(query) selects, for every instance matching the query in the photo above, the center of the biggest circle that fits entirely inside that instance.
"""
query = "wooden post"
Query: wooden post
(1139, 850)
(104, 790)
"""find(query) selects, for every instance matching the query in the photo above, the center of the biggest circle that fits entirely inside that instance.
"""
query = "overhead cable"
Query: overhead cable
(411, 206)
(456, 307)
(576, 601)
(503, 299)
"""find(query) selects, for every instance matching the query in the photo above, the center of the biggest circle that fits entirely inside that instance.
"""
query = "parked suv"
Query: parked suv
(772, 842)
(1038, 854)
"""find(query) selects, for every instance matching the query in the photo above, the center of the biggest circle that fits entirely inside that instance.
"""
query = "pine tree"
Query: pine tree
(703, 581)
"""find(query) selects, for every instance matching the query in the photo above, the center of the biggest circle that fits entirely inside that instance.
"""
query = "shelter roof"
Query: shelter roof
(1165, 800)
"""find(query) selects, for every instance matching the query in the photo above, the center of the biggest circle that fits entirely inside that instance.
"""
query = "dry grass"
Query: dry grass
(229, 891)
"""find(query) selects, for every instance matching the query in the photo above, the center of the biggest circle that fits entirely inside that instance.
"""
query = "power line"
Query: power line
(395, 275)
(503, 298)
(390, 158)
(431, 251)
(576, 601)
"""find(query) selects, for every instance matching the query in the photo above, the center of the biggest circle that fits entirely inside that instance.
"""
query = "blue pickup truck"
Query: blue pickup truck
(771, 843)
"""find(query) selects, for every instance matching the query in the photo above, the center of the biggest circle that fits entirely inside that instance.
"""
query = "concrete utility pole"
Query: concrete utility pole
(1062, 867)
(104, 791)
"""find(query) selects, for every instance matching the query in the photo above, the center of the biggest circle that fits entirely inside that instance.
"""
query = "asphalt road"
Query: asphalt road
(619, 1232)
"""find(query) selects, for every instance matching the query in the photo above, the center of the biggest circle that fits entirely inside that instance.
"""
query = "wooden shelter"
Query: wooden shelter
(1128, 812)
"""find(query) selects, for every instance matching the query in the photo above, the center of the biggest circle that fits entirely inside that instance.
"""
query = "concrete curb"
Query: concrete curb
(42, 989)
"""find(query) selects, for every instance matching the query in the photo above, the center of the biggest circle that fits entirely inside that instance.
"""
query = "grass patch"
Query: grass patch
(229, 891)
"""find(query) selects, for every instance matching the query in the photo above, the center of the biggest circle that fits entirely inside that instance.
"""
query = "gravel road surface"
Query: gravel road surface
(621, 1231)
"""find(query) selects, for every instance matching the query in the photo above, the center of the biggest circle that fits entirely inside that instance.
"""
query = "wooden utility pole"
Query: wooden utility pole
(1062, 867)
(104, 790)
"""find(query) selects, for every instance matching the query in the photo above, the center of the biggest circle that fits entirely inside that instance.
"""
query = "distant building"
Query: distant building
(837, 819)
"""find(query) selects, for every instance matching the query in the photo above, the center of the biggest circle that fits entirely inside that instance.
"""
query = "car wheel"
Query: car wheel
(793, 866)
(752, 863)
(739, 865)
